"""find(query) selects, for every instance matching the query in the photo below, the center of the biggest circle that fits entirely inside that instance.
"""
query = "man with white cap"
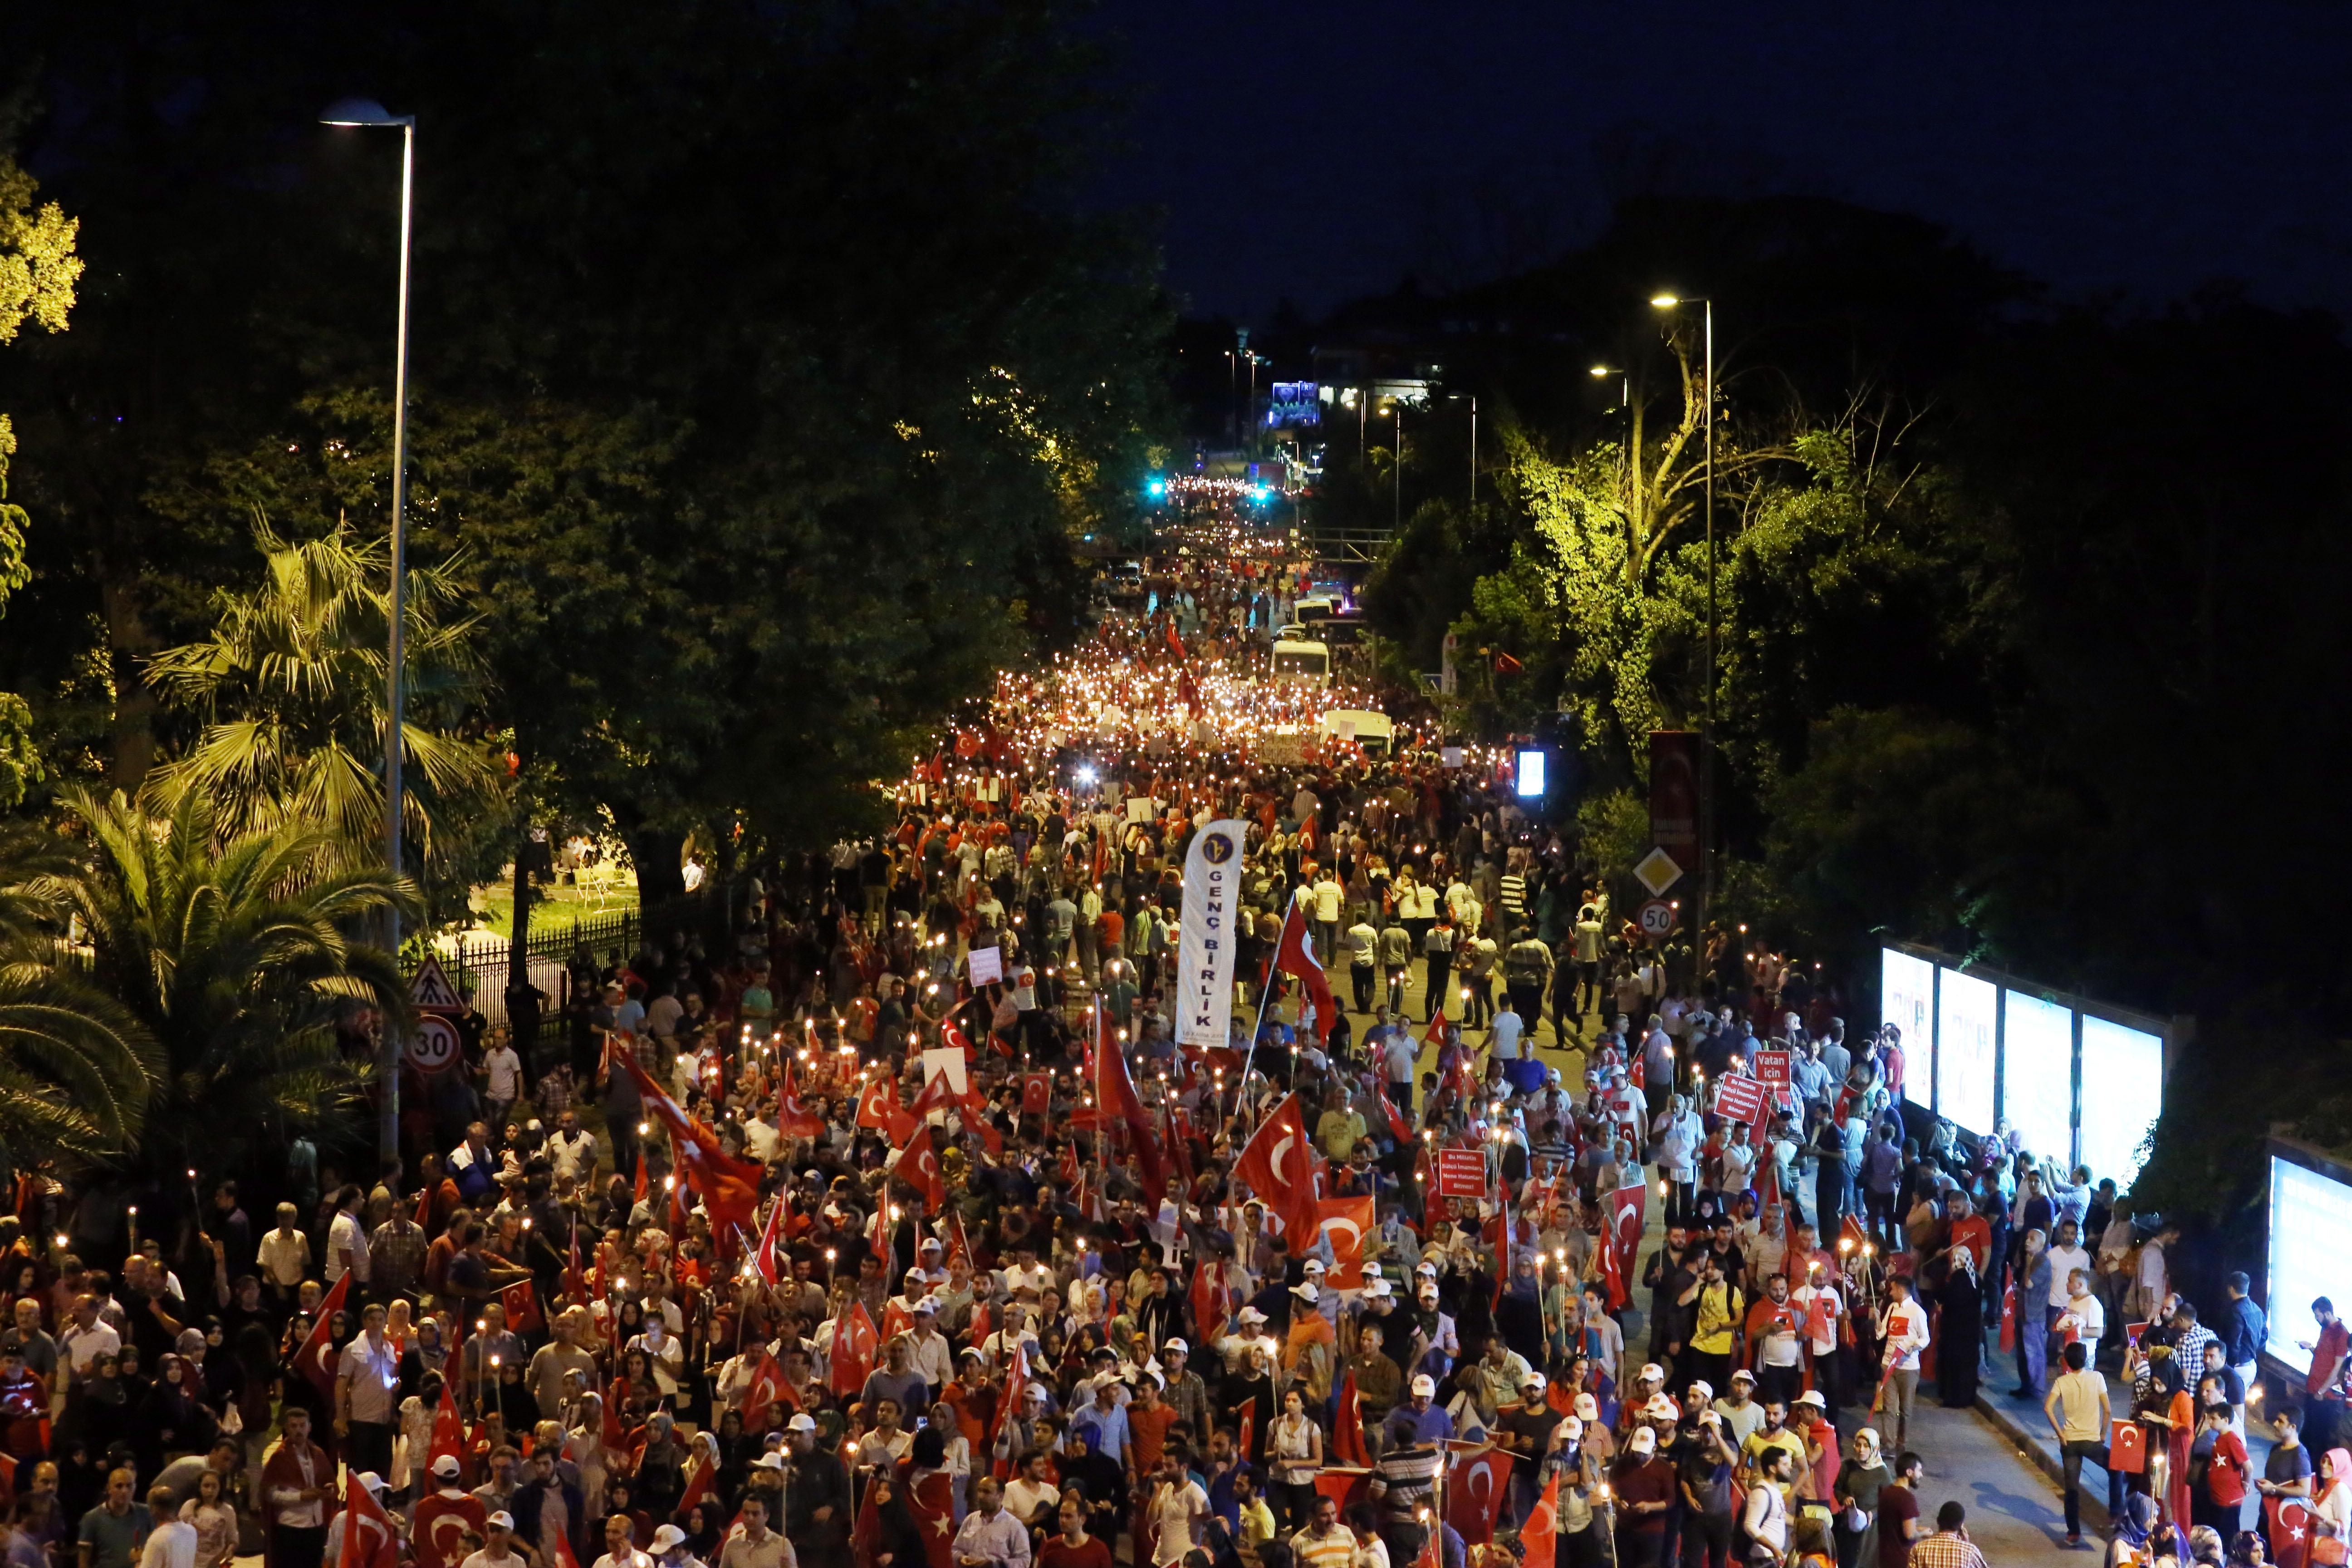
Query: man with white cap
(445, 1516)
(1435, 1345)
(816, 1493)
(1742, 1416)
(1532, 1432)
(1645, 1491)
(669, 1548)
(497, 1544)
(1251, 1335)
(1185, 1394)
(1420, 1419)
(928, 1352)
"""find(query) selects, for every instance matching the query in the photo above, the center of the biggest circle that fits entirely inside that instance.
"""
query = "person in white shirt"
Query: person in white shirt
(1178, 1507)
(572, 1151)
(620, 1550)
(1903, 1330)
(1029, 1497)
(927, 1351)
(1823, 1342)
(498, 1545)
(2085, 1316)
(347, 1247)
(2066, 1254)
(171, 1539)
(502, 1078)
(1767, 1520)
(1504, 1032)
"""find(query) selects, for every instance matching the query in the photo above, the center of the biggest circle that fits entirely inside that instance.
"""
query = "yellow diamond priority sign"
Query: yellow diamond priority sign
(1657, 871)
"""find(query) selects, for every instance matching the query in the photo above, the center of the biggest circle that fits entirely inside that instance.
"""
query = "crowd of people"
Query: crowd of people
(908, 1234)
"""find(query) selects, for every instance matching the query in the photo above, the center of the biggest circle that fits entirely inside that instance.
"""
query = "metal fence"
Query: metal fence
(477, 964)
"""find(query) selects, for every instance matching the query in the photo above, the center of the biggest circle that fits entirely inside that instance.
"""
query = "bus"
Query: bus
(1302, 663)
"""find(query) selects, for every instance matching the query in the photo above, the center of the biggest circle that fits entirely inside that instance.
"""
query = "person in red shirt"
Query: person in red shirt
(2323, 1392)
(1074, 1548)
(445, 1516)
(1971, 1230)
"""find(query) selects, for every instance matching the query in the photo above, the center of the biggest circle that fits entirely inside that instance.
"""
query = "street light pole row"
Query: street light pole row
(1707, 725)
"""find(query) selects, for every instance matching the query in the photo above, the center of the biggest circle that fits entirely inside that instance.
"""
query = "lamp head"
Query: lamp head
(1665, 301)
(362, 111)
(1599, 371)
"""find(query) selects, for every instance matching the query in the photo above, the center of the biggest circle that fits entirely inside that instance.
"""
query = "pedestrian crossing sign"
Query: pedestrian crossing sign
(431, 991)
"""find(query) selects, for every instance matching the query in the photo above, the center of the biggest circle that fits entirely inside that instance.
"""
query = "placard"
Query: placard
(1774, 1068)
(1740, 1098)
(1462, 1174)
(986, 965)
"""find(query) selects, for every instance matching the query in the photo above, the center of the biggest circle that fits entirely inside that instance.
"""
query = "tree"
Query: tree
(38, 269)
(74, 1068)
(230, 952)
(290, 688)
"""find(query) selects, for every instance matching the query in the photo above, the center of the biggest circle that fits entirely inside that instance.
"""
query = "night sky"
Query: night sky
(1323, 149)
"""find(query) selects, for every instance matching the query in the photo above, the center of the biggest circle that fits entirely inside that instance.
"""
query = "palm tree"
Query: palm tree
(230, 950)
(290, 685)
(76, 1069)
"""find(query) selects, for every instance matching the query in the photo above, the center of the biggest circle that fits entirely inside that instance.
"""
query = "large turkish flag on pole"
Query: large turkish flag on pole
(1278, 1162)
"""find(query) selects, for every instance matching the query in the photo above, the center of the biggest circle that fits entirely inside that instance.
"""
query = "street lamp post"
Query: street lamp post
(1397, 409)
(1706, 730)
(366, 112)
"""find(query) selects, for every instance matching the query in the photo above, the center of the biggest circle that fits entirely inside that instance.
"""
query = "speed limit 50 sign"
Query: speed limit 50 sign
(1656, 918)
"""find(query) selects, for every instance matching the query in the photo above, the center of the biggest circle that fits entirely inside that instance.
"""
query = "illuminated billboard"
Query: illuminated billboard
(2311, 1235)
(1906, 999)
(2123, 1079)
(2037, 1073)
(1530, 775)
(1967, 1019)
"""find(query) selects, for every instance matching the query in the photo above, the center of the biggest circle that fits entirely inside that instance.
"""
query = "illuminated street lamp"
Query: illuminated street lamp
(1706, 730)
(367, 113)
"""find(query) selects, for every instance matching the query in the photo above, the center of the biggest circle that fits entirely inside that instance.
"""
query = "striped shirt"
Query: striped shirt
(1406, 1478)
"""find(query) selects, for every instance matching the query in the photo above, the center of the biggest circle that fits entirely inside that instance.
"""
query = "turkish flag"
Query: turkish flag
(2009, 1317)
(1398, 1129)
(1474, 1497)
(1640, 1077)
(764, 1258)
(1249, 1426)
(437, 1538)
(449, 1428)
(1115, 1093)
(2127, 1447)
(878, 1107)
(918, 1167)
(699, 1488)
(1538, 1536)
(932, 1503)
(793, 1120)
(1345, 1221)
(313, 1359)
(730, 1186)
(521, 1303)
(1037, 1094)
(895, 1321)
(768, 1387)
(935, 1095)
(1295, 955)
(1211, 1301)
(1344, 1485)
(2290, 1531)
(958, 1243)
(1348, 1425)
(1278, 1162)
(1016, 1380)
(368, 1540)
(854, 1342)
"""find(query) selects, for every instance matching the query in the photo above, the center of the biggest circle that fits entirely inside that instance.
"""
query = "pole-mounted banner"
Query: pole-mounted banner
(1205, 947)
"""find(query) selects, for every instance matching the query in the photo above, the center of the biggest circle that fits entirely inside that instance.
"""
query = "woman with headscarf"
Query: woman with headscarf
(1855, 1494)
(174, 1420)
(1960, 1331)
(2205, 1546)
(2331, 1500)
(2139, 1539)
(887, 1534)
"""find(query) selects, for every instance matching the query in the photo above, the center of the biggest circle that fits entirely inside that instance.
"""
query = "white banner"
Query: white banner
(1205, 954)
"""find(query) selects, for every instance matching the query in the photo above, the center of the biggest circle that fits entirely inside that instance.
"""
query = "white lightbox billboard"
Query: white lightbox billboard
(1967, 1017)
(2123, 1094)
(2037, 1074)
(1906, 999)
